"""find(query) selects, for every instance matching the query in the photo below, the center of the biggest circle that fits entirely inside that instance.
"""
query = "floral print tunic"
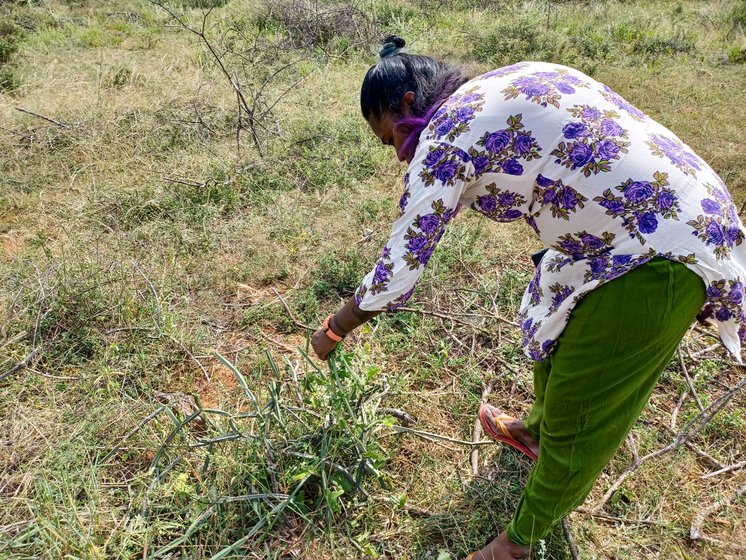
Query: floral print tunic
(605, 188)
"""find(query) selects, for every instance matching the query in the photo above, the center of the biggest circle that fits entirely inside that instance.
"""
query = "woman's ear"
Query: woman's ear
(407, 103)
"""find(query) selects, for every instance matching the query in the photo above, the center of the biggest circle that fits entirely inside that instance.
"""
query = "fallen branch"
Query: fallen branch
(695, 531)
(295, 321)
(16, 133)
(710, 348)
(686, 433)
(184, 182)
(689, 381)
(568, 537)
(399, 414)
(724, 470)
(614, 519)
(37, 115)
(476, 434)
(477, 431)
(709, 459)
(22, 364)
(436, 437)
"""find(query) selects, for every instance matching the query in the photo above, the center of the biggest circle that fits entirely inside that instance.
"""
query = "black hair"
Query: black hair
(397, 73)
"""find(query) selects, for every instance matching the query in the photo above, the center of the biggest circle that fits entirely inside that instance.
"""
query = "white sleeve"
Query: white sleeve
(434, 183)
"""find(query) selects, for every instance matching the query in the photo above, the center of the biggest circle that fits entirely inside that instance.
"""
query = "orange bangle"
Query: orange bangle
(329, 332)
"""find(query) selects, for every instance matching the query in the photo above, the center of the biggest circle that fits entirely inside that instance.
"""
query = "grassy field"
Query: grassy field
(162, 253)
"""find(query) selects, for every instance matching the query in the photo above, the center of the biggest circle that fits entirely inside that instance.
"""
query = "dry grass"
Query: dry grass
(79, 206)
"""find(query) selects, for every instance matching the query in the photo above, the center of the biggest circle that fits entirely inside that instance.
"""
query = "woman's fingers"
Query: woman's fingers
(322, 344)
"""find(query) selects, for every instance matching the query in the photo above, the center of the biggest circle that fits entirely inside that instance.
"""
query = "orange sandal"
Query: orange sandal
(506, 437)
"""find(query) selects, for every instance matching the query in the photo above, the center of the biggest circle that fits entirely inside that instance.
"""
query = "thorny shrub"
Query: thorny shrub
(310, 23)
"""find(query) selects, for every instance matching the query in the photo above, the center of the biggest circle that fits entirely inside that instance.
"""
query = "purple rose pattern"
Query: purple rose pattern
(360, 293)
(502, 72)
(502, 149)
(401, 300)
(499, 205)
(404, 200)
(561, 199)
(544, 88)
(534, 288)
(559, 294)
(582, 245)
(424, 233)
(593, 142)
(536, 350)
(454, 116)
(382, 272)
(640, 204)
(676, 152)
(725, 303)
(607, 267)
(718, 225)
(620, 103)
(445, 164)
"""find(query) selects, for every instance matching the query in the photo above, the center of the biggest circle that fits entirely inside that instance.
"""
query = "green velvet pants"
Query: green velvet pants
(591, 390)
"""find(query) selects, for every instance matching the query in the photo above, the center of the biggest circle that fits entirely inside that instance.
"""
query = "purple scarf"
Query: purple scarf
(415, 125)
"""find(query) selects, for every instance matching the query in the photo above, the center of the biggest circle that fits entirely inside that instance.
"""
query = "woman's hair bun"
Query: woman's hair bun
(391, 45)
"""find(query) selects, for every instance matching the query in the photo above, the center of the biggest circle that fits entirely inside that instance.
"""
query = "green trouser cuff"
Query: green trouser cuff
(514, 537)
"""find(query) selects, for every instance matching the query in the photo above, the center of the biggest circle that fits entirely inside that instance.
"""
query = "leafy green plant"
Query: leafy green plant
(297, 449)
(522, 39)
(737, 55)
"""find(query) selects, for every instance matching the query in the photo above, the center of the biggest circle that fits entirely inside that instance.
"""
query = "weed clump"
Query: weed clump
(10, 38)
(737, 55)
(292, 456)
(524, 39)
(658, 45)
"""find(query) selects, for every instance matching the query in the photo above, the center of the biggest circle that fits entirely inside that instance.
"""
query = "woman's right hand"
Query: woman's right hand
(322, 344)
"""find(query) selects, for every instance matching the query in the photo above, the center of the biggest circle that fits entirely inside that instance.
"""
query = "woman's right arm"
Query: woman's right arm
(436, 181)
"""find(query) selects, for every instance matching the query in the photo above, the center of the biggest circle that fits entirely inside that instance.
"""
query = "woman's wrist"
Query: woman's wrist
(330, 332)
(336, 328)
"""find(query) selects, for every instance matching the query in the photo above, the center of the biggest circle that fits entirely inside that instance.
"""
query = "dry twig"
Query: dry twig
(570, 541)
(731, 468)
(38, 116)
(436, 437)
(477, 431)
(295, 321)
(400, 415)
(689, 381)
(695, 531)
(686, 433)
(22, 364)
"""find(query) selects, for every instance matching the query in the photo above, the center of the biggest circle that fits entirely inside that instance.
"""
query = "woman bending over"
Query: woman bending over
(641, 234)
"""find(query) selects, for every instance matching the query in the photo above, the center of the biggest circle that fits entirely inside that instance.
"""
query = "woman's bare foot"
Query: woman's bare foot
(516, 428)
(501, 549)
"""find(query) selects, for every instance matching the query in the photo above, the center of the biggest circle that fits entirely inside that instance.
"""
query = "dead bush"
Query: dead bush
(310, 23)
